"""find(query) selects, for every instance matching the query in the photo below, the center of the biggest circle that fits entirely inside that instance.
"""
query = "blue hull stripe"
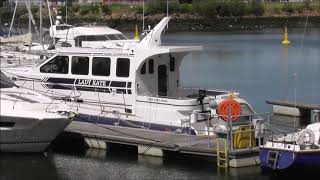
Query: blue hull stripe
(132, 124)
(289, 159)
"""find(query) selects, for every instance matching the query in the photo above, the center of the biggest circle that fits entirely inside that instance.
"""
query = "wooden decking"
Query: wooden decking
(200, 145)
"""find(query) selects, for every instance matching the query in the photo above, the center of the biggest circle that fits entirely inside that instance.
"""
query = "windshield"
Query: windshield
(5, 81)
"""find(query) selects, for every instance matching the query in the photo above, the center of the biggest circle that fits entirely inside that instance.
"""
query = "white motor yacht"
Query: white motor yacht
(66, 35)
(134, 85)
(29, 121)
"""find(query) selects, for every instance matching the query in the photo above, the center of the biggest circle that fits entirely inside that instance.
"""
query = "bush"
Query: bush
(209, 8)
(94, 9)
(186, 8)
(74, 8)
(205, 8)
(105, 9)
(84, 10)
(152, 7)
(62, 11)
(287, 7)
(256, 8)
(34, 9)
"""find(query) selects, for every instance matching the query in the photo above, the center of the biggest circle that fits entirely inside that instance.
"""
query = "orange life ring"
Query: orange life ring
(229, 107)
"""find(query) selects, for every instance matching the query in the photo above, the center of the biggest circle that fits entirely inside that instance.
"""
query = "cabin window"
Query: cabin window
(112, 37)
(101, 66)
(151, 66)
(143, 68)
(172, 63)
(123, 67)
(58, 65)
(65, 44)
(78, 42)
(80, 65)
(121, 36)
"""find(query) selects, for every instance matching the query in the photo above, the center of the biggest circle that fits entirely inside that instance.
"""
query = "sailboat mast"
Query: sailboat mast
(40, 9)
(13, 16)
(29, 22)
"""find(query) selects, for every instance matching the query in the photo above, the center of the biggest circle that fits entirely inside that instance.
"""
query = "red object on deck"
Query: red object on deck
(229, 108)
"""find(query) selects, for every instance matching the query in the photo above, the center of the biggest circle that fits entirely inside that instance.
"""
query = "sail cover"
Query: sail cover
(24, 38)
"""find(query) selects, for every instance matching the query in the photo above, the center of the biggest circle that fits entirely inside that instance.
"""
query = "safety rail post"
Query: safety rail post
(189, 131)
(16, 100)
(208, 130)
(250, 130)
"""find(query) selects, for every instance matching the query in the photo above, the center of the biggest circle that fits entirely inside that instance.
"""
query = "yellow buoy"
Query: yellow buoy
(285, 37)
(136, 33)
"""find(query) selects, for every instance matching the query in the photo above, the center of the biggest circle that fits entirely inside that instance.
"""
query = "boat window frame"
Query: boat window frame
(143, 69)
(54, 58)
(151, 66)
(172, 64)
(108, 66)
(88, 65)
(127, 74)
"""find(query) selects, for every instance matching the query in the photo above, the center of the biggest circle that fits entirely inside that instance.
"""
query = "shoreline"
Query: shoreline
(192, 24)
(180, 22)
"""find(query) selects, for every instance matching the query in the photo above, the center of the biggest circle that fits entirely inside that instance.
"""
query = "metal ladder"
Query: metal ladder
(273, 159)
(222, 155)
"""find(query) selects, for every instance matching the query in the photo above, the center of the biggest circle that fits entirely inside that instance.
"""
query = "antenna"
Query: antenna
(66, 12)
(167, 13)
(167, 8)
(143, 15)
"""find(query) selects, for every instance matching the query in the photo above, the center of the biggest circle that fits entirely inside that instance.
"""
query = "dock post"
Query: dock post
(95, 143)
(151, 151)
(243, 162)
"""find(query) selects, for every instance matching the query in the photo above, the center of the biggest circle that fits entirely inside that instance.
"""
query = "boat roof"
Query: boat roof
(127, 51)
(95, 30)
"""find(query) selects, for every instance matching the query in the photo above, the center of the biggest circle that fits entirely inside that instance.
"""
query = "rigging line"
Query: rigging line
(305, 26)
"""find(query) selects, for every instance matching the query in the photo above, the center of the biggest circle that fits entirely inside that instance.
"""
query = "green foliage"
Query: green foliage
(118, 7)
(94, 9)
(62, 11)
(186, 8)
(84, 10)
(34, 9)
(288, 8)
(257, 8)
(105, 9)
(227, 8)
(157, 6)
(74, 8)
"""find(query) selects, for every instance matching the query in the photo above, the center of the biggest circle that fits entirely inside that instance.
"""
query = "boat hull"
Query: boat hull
(102, 120)
(290, 159)
(30, 134)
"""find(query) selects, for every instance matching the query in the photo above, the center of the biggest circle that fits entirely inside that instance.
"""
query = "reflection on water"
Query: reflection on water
(16, 166)
(114, 164)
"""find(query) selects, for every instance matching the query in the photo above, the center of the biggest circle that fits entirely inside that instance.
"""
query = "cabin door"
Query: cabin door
(162, 80)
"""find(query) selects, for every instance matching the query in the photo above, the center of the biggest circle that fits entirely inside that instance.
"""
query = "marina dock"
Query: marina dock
(294, 109)
(155, 143)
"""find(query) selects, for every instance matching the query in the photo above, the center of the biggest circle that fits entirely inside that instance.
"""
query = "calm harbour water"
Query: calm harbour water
(255, 64)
